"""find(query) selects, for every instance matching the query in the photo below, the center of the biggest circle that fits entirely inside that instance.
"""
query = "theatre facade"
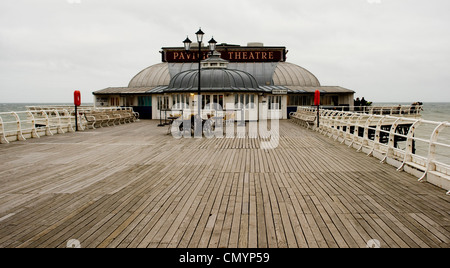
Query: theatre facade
(254, 81)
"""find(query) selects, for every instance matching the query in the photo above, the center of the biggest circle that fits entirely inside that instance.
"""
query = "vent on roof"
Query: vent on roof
(255, 44)
(195, 45)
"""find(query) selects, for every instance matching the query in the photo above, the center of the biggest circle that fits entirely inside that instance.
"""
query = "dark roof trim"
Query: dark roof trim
(260, 89)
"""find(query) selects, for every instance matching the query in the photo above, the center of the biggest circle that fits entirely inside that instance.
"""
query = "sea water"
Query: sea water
(433, 111)
(438, 112)
(21, 107)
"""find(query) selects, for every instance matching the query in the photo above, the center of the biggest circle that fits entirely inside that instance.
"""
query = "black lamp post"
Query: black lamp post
(187, 46)
(212, 44)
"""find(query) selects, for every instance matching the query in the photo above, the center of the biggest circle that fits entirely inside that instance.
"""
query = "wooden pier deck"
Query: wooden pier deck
(134, 186)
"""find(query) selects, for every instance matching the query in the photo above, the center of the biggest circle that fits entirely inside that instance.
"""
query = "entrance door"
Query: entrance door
(275, 107)
(218, 102)
(163, 106)
(245, 106)
(212, 104)
(144, 107)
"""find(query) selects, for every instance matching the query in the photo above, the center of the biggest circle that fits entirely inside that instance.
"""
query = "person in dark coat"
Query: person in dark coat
(363, 102)
(357, 104)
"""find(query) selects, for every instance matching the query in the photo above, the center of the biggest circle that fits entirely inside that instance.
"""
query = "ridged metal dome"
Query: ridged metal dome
(283, 74)
(153, 76)
(213, 79)
(288, 74)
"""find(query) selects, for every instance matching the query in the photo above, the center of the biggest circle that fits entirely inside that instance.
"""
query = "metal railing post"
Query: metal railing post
(377, 135)
(365, 137)
(34, 133)
(409, 144)
(19, 133)
(3, 138)
(430, 165)
(48, 131)
(59, 124)
(391, 142)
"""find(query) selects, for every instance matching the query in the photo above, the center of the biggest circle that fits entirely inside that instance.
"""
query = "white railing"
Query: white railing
(71, 108)
(419, 147)
(399, 110)
(19, 126)
(50, 120)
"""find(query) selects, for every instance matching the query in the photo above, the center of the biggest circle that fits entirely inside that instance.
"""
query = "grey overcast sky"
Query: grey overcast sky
(385, 50)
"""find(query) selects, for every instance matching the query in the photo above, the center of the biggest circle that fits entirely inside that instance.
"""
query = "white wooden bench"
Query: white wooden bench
(105, 118)
(98, 119)
(126, 116)
(304, 118)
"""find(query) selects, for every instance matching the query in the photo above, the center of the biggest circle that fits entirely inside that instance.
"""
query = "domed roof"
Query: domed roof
(288, 74)
(212, 79)
(283, 74)
(153, 76)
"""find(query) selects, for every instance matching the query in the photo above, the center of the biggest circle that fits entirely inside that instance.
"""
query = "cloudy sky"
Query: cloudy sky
(385, 50)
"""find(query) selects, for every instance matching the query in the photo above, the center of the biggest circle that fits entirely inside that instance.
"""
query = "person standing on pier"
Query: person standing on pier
(363, 102)
(357, 104)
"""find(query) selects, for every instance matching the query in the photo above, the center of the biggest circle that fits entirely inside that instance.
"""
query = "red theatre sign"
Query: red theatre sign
(231, 55)
(254, 56)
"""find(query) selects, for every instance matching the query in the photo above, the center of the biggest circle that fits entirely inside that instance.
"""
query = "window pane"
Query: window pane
(221, 101)
(215, 101)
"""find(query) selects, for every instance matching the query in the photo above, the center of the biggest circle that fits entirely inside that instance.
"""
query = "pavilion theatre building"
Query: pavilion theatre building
(239, 78)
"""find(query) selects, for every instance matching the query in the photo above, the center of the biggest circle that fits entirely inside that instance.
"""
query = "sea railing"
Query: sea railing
(396, 110)
(419, 147)
(58, 107)
(71, 108)
(50, 120)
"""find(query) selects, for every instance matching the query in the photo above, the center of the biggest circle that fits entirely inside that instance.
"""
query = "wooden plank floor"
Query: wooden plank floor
(135, 186)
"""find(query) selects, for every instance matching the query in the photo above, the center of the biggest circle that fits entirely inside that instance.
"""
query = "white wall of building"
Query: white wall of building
(250, 111)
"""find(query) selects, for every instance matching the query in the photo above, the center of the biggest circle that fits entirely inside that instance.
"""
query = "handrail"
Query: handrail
(3, 138)
(399, 110)
(379, 135)
(47, 120)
